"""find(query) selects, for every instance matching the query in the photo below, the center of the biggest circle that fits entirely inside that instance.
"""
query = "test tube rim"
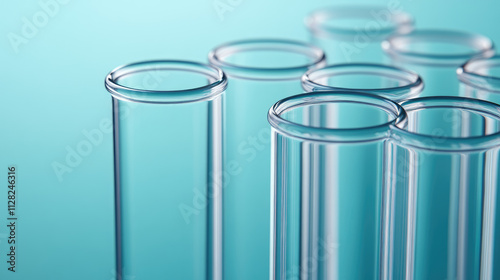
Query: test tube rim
(334, 135)
(402, 22)
(400, 135)
(218, 54)
(414, 86)
(217, 85)
(480, 45)
(468, 75)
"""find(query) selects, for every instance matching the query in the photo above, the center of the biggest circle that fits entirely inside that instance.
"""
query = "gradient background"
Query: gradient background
(52, 92)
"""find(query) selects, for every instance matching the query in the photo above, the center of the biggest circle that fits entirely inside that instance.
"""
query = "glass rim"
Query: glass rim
(413, 86)
(448, 144)
(334, 135)
(467, 73)
(219, 54)
(481, 46)
(217, 85)
(401, 22)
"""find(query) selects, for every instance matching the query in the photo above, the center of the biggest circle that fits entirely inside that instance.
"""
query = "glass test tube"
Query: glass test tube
(354, 33)
(326, 219)
(480, 78)
(260, 73)
(441, 198)
(435, 55)
(167, 119)
(387, 81)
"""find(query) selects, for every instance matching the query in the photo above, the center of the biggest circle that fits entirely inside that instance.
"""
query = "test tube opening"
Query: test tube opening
(267, 59)
(291, 116)
(347, 22)
(165, 81)
(437, 47)
(387, 81)
(481, 73)
(449, 124)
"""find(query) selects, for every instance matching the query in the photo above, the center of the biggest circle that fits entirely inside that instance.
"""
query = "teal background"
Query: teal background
(52, 93)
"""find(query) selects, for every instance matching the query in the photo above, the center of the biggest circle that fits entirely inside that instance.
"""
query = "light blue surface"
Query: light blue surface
(52, 92)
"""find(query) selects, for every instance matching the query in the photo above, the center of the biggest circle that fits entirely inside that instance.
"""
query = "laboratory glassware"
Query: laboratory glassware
(326, 219)
(440, 202)
(383, 80)
(480, 78)
(354, 33)
(260, 72)
(167, 121)
(435, 55)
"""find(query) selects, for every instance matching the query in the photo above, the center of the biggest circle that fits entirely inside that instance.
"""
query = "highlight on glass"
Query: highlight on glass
(435, 55)
(167, 120)
(480, 78)
(354, 33)
(383, 80)
(441, 211)
(260, 73)
(327, 184)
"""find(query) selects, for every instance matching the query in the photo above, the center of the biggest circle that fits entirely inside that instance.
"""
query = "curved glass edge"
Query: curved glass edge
(335, 135)
(402, 22)
(470, 73)
(481, 46)
(217, 56)
(217, 83)
(401, 136)
(412, 88)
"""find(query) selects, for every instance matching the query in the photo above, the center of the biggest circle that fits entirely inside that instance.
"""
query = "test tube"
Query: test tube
(383, 80)
(440, 202)
(260, 73)
(326, 219)
(167, 120)
(480, 78)
(435, 55)
(354, 33)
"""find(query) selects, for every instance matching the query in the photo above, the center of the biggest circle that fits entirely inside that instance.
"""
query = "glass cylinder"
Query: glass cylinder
(440, 202)
(435, 55)
(354, 33)
(480, 78)
(260, 73)
(326, 219)
(390, 82)
(167, 120)
(386, 81)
